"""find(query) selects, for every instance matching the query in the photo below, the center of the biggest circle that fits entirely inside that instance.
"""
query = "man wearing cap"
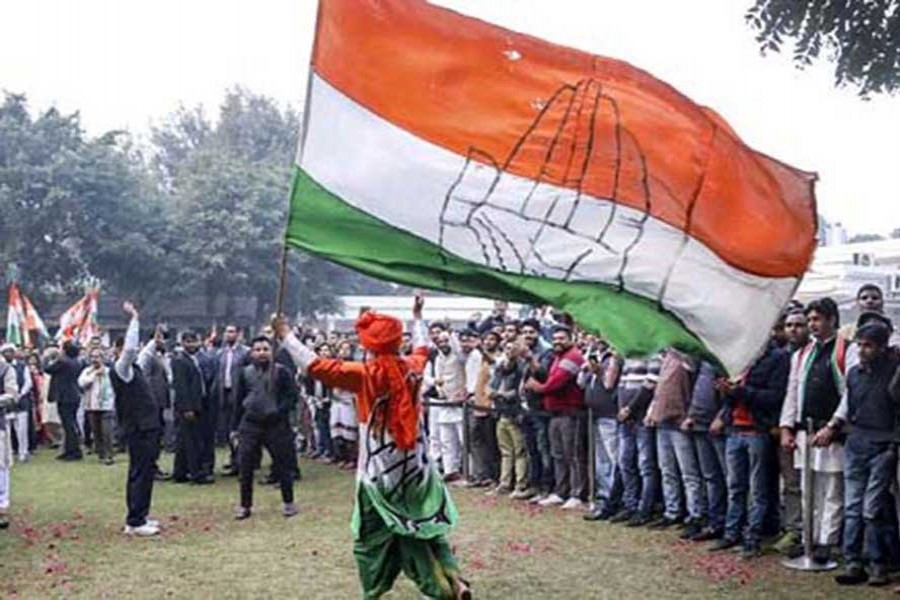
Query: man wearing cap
(869, 414)
(20, 411)
(403, 510)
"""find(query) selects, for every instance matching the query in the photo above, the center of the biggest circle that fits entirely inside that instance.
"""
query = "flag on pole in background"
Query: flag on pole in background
(24, 325)
(79, 321)
(445, 152)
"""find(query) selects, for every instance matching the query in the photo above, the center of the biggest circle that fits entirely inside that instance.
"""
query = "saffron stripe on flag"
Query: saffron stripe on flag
(465, 84)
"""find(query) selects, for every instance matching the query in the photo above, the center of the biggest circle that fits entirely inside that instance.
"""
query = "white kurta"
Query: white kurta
(343, 420)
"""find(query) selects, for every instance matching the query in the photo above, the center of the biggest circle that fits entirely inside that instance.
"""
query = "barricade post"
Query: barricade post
(806, 562)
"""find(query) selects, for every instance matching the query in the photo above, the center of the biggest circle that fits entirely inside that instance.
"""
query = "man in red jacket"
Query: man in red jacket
(563, 399)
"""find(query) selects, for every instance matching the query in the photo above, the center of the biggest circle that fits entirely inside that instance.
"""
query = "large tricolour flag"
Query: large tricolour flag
(441, 151)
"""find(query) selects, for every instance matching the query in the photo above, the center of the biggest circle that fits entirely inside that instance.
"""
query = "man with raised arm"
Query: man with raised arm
(403, 510)
(138, 413)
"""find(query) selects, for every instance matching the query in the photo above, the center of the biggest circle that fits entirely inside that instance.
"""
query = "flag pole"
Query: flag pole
(282, 273)
(282, 279)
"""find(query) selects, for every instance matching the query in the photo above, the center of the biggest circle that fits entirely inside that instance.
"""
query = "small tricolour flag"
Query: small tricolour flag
(441, 151)
(23, 323)
(79, 321)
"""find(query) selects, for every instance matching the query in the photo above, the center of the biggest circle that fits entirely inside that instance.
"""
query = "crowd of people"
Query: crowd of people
(508, 404)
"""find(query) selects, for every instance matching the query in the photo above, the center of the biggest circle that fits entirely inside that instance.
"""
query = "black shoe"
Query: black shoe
(623, 516)
(203, 480)
(878, 576)
(638, 520)
(228, 472)
(598, 514)
(708, 534)
(821, 554)
(691, 531)
(852, 575)
(177, 479)
(724, 544)
(750, 551)
(663, 523)
(4, 522)
(162, 476)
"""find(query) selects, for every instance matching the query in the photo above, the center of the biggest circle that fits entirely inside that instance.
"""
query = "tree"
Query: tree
(862, 38)
(228, 184)
(74, 208)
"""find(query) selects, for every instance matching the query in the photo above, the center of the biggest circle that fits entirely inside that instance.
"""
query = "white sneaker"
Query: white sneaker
(551, 500)
(152, 522)
(573, 504)
(144, 530)
(537, 498)
(522, 495)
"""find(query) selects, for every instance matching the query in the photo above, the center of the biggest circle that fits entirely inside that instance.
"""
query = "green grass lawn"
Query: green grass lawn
(65, 541)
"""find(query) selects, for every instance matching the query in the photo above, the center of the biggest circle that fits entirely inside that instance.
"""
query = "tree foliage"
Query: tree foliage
(200, 211)
(861, 37)
(73, 208)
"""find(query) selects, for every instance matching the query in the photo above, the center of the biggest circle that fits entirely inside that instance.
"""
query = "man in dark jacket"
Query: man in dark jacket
(65, 369)
(191, 391)
(599, 380)
(137, 411)
(536, 422)
(264, 398)
(869, 413)
(751, 408)
(507, 403)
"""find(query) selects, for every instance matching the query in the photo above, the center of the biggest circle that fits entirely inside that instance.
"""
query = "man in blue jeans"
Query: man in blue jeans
(869, 413)
(751, 409)
(682, 483)
(706, 403)
(637, 443)
(599, 379)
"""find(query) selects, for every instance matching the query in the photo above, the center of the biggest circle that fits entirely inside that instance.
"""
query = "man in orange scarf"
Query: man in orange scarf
(403, 511)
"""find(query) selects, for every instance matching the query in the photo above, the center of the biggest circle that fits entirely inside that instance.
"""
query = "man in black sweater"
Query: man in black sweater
(869, 413)
(65, 369)
(264, 398)
(137, 411)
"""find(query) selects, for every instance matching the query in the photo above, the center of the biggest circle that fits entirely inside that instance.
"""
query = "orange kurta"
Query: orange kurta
(369, 380)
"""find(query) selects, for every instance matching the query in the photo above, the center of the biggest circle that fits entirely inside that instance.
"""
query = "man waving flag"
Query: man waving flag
(441, 151)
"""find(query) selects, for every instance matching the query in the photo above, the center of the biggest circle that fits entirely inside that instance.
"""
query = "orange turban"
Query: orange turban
(383, 336)
(380, 334)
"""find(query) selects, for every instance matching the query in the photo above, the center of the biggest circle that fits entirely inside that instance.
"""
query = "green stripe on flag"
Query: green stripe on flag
(323, 224)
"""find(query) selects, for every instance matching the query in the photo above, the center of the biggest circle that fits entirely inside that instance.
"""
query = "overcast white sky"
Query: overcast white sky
(126, 64)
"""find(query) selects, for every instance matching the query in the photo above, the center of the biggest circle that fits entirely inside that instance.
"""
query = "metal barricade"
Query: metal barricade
(591, 460)
(806, 562)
